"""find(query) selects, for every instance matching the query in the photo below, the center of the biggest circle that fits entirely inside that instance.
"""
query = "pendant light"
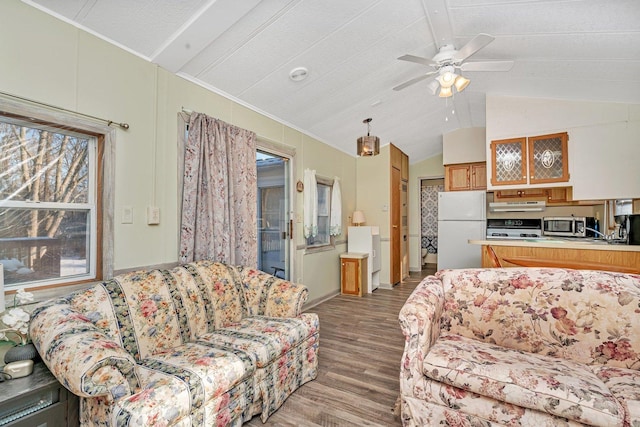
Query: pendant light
(368, 145)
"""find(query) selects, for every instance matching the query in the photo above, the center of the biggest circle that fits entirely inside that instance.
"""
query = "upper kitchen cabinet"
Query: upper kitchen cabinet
(508, 161)
(603, 145)
(547, 160)
(465, 177)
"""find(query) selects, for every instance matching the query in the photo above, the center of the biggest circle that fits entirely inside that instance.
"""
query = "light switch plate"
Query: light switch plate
(127, 215)
(153, 215)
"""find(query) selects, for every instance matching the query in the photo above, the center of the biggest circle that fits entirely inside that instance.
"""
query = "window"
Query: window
(323, 238)
(49, 203)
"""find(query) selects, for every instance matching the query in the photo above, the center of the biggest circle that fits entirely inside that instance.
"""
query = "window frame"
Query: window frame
(330, 243)
(100, 194)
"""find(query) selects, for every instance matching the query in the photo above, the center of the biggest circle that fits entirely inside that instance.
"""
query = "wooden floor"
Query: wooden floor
(359, 363)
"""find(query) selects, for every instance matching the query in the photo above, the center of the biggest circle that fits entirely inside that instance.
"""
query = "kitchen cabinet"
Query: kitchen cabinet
(581, 255)
(508, 161)
(465, 177)
(553, 196)
(353, 273)
(530, 160)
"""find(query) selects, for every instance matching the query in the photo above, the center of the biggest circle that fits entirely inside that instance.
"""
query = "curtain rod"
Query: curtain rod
(55, 107)
(186, 111)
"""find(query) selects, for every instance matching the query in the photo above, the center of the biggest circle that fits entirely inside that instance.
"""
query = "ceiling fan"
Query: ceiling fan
(447, 60)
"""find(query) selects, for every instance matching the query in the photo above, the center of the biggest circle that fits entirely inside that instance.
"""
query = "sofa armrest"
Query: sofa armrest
(79, 354)
(420, 324)
(269, 295)
(285, 299)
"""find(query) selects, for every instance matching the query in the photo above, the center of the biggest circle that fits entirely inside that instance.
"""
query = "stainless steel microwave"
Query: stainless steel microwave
(568, 226)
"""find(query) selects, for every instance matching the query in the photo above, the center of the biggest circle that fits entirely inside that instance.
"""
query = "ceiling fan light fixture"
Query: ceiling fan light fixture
(368, 145)
(461, 83)
(445, 92)
(433, 86)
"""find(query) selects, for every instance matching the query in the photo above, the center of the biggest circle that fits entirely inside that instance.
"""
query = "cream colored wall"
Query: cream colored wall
(603, 140)
(373, 196)
(428, 168)
(465, 145)
(50, 61)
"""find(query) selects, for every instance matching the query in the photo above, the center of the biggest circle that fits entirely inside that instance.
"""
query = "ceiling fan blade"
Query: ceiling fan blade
(413, 81)
(418, 60)
(474, 45)
(487, 66)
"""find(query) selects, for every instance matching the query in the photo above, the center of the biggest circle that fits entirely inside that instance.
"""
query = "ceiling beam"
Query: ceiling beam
(202, 29)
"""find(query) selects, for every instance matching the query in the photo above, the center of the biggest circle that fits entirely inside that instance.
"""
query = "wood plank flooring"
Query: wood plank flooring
(359, 363)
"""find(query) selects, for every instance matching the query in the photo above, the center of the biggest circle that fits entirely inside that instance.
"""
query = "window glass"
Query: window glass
(48, 214)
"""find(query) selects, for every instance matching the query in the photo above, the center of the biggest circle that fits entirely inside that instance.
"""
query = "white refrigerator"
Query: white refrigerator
(461, 217)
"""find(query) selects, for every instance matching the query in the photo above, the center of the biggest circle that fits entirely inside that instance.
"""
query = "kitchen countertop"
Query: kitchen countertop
(558, 243)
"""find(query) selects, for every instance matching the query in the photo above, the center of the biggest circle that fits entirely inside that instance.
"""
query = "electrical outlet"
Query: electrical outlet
(153, 215)
(127, 215)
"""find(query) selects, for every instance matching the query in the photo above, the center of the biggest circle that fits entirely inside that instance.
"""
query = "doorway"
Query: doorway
(273, 211)
(429, 189)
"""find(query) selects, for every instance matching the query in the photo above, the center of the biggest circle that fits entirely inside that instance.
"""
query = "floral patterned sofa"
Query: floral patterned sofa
(202, 344)
(517, 346)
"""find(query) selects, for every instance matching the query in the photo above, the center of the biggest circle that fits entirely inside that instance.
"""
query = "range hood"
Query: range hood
(517, 206)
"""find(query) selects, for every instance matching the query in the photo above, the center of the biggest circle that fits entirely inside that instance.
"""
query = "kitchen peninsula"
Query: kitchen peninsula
(567, 253)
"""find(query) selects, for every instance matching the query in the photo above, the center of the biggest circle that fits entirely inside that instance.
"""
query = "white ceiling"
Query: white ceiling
(566, 49)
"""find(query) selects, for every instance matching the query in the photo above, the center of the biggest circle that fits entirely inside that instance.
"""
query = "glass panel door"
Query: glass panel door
(274, 233)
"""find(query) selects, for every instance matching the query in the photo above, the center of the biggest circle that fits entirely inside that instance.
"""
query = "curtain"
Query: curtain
(219, 193)
(335, 221)
(310, 203)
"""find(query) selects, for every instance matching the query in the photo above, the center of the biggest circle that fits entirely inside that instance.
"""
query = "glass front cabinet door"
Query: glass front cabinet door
(548, 160)
(533, 160)
(509, 166)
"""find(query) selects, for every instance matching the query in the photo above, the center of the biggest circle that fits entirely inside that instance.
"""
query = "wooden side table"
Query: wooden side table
(353, 273)
(37, 400)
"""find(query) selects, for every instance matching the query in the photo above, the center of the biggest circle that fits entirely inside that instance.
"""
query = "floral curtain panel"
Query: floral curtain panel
(219, 194)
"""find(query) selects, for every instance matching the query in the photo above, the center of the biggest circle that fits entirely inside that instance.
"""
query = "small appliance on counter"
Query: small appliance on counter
(634, 230)
(569, 226)
(621, 228)
(499, 228)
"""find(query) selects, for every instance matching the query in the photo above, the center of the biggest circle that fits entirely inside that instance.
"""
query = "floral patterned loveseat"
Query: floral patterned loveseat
(516, 346)
(202, 344)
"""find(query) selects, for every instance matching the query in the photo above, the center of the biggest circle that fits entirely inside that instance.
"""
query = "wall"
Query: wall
(373, 196)
(50, 61)
(465, 145)
(603, 140)
(428, 168)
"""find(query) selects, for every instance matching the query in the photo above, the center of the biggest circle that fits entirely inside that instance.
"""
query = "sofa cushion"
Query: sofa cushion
(562, 313)
(625, 386)
(556, 386)
(264, 339)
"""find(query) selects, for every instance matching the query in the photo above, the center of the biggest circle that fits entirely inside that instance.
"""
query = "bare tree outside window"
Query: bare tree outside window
(47, 201)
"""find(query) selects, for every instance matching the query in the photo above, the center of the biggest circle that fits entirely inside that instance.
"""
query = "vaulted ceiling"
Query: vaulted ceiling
(245, 49)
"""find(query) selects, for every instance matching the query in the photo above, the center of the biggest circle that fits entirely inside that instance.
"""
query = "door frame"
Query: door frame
(418, 216)
(289, 153)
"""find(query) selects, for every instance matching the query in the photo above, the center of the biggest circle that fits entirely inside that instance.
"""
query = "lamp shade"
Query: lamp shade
(445, 92)
(358, 218)
(368, 145)
(461, 83)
